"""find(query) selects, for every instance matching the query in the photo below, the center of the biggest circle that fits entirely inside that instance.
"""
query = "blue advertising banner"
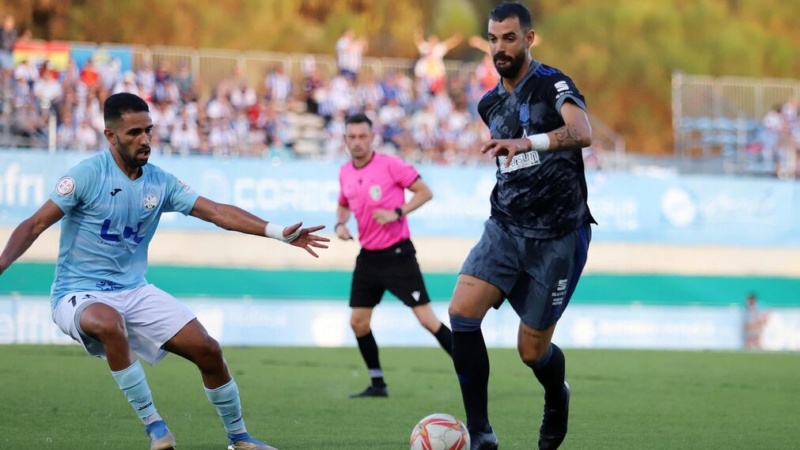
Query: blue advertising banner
(103, 55)
(326, 323)
(629, 208)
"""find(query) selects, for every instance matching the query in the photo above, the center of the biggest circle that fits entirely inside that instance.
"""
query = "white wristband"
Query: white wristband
(275, 231)
(539, 142)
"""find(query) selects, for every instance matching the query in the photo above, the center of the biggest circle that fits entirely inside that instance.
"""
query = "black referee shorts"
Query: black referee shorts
(394, 269)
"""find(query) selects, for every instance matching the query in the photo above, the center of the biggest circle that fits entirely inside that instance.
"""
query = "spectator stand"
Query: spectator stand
(717, 123)
(276, 105)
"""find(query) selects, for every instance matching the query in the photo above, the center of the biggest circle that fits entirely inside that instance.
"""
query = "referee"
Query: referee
(372, 188)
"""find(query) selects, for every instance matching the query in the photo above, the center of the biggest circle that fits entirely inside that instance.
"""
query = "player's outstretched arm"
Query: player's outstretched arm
(233, 218)
(28, 231)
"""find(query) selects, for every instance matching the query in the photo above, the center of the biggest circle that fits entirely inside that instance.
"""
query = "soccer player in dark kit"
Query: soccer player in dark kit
(535, 243)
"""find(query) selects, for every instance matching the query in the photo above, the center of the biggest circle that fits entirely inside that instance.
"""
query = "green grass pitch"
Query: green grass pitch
(297, 398)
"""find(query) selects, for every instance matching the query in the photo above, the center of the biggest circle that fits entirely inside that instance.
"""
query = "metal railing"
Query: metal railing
(717, 119)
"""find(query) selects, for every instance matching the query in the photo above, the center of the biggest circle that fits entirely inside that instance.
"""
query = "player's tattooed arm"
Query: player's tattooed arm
(568, 136)
(576, 132)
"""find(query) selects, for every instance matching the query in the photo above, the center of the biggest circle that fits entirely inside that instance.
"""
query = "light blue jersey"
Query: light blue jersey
(109, 222)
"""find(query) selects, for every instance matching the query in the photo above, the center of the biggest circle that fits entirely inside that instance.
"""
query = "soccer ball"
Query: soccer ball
(440, 432)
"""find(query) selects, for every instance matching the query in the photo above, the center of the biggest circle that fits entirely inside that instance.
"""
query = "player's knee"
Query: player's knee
(464, 324)
(359, 325)
(530, 355)
(103, 322)
(455, 310)
(111, 330)
(211, 348)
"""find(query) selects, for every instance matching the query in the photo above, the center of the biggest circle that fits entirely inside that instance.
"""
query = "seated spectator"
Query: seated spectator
(65, 134)
(90, 76)
(47, 90)
(184, 138)
(27, 71)
(86, 137)
(278, 86)
(28, 123)
(126, 84)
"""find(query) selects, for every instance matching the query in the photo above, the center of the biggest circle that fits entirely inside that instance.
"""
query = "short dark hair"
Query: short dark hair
(124, 102)
(512, 9)
(358, 118)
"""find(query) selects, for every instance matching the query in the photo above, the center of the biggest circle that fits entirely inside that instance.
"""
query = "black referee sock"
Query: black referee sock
(550, 371)
(471, 361)
(445, 338)
(369, 351)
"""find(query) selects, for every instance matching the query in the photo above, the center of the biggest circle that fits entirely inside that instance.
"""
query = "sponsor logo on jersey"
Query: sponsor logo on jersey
(65, 186)
(115, 191)
(520, 161)
(561, 86)
(128, 233)
(416, 295)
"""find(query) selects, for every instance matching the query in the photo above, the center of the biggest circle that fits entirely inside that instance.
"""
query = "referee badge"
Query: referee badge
(375, 192)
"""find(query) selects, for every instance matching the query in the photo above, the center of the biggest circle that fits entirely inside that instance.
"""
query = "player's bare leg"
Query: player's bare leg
(195, 344)
(103, 323)
(427, 318)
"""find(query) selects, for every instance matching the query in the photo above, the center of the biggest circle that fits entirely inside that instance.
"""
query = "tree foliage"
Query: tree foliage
(621, 53)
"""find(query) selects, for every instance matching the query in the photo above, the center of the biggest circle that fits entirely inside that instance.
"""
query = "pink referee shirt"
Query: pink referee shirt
(380, 184)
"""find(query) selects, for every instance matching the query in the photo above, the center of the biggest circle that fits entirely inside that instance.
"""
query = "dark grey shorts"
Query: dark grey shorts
(537, 276)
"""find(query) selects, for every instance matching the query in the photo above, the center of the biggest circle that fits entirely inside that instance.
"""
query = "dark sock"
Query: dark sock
(471, 361)
(550, 372)
(369, 351)
(445, 338)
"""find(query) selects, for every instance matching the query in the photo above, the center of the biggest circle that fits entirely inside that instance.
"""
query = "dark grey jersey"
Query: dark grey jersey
(540, 194)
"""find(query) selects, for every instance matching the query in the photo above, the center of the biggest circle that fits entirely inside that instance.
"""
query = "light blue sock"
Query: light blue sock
(226, 399)
(134, 385)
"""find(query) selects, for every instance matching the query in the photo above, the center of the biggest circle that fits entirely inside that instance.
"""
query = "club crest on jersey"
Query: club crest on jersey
(186, 187)
(524, 113)
(375, 192)
(150, 202)
(65, 186)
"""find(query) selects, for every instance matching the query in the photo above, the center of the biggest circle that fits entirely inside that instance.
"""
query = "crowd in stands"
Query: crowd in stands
(424, 114)
(416, 114)
(778, 142)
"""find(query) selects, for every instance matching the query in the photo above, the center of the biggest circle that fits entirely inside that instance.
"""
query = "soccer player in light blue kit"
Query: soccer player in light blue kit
(110, 205)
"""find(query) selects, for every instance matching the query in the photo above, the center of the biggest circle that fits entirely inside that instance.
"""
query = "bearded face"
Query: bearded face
(508, 66)
(509, 45)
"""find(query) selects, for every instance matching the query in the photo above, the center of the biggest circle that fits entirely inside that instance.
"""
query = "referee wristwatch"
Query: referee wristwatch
(399, 212)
